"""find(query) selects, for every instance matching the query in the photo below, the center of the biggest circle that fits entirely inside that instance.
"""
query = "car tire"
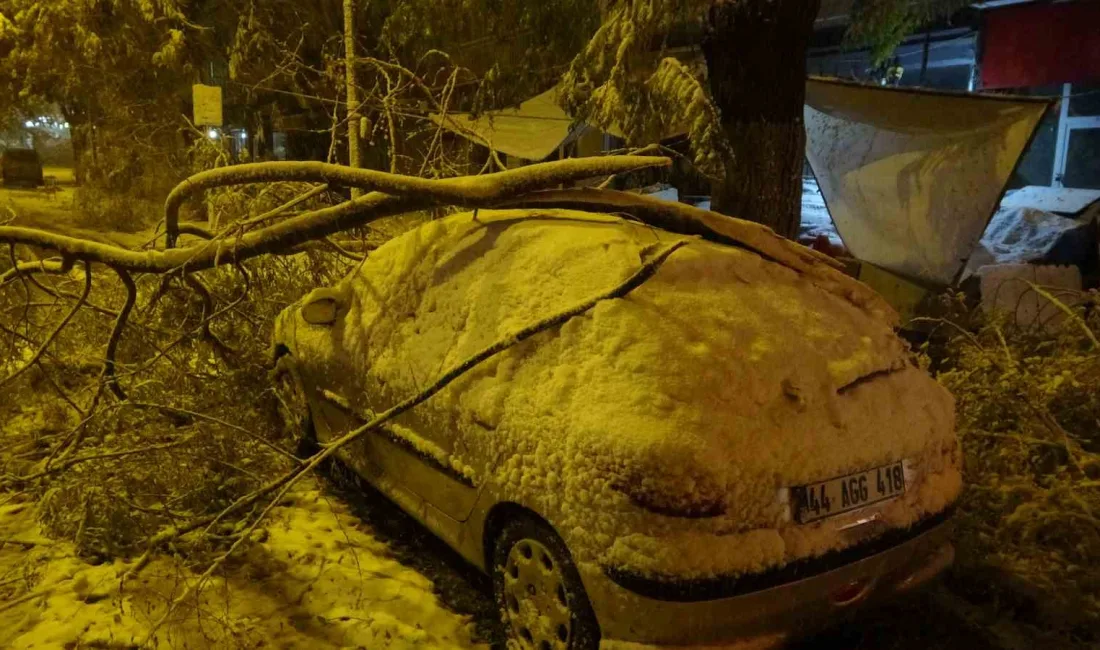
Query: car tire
(293, 408)
(538, 590)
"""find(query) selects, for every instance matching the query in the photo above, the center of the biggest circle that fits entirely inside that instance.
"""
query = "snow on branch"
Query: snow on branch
(466, 191)
(400, 194)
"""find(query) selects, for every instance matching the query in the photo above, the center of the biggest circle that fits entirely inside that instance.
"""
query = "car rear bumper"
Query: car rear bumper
(768, 617)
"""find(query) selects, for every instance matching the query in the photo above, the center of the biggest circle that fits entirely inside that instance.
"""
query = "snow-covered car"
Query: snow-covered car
(739, 448)
(21, 167)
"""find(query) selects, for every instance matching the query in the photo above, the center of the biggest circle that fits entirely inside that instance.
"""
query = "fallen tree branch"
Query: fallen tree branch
(207, 314)
(483, 191)
(67, 463)
(195, 230)
(285, 482)
(274, 212)
(56, 330)
(468, 191)
(203, 327)
(343, 252)
(229, 425)
(52, 265)
(116, 334)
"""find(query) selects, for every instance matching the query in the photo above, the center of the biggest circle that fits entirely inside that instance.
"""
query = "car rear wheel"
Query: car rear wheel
(293, 408)
(538, 590)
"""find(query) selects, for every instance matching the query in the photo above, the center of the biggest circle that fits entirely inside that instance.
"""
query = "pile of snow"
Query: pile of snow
(714, 384)
(317, 580)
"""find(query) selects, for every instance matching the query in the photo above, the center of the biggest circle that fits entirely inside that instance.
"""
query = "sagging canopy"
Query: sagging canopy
(532, 131)
(910, 176)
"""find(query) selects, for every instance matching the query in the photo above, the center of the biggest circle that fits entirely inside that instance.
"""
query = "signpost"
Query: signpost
(208, 105)
(207, 101)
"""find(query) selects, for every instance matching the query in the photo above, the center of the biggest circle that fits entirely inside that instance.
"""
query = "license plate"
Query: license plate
(844, 493)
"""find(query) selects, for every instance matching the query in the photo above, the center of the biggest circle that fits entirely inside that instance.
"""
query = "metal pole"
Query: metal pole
(1061, 143)
(354, 159)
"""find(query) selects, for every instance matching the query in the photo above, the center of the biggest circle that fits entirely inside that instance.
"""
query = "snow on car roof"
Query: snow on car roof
(823, 271)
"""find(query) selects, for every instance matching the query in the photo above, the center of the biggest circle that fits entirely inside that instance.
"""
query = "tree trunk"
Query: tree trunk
(756, 66)
(78, 138)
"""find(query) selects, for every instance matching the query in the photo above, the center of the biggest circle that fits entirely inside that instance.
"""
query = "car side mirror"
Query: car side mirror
(320, 308)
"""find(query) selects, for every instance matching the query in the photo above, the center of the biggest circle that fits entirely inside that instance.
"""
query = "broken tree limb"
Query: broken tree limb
(116, 334)
(220, 422)
(56, 330)
(485, 190)
(195, 231)
(274, 212)
(466, 191)
(52, 265)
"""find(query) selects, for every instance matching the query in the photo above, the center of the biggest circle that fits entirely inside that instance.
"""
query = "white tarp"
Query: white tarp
(532, 131)
(912, 177)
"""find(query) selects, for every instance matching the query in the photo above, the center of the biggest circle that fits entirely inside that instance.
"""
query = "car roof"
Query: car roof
(720, 229)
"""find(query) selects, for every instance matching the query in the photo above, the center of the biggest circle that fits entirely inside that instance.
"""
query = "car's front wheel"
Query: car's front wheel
(538, 590)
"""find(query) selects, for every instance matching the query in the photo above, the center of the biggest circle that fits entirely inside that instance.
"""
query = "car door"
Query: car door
(311, 327)
(407, 458)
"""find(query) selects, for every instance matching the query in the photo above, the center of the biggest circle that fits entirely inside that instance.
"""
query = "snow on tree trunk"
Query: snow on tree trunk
(756, 65)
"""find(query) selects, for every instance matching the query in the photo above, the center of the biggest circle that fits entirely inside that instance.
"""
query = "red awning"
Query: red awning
(1041, 44)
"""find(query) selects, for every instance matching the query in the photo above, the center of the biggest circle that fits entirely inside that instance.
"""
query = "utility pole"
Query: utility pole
(354, 159)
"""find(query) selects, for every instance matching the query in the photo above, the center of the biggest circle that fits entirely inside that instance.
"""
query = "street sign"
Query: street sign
(208, 105)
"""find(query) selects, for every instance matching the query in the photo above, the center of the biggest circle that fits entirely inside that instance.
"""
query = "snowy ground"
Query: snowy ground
(52, 208)
(321, 578)
(41, 204)
(336, 569)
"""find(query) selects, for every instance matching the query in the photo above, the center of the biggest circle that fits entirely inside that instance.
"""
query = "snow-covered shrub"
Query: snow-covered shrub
(1029, 421)
(198, 429)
